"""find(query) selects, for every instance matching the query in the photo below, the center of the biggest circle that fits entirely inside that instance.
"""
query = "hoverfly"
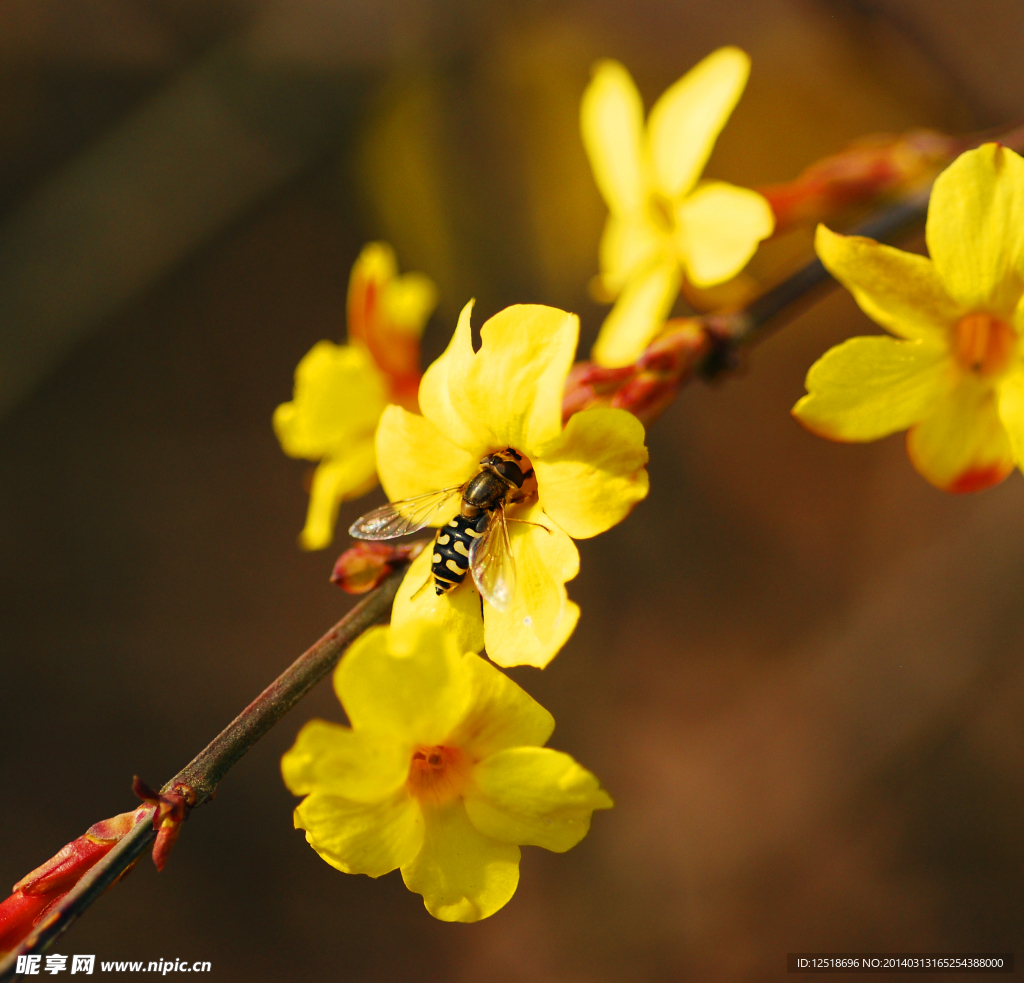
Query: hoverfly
(476, 539)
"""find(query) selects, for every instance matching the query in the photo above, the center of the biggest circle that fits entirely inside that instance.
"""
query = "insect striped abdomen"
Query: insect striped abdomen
(451, 550)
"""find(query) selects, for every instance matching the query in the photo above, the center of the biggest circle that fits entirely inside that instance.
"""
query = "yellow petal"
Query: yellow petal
(336, 480)
(415, 457)
(590, 477)
(540, 618)
(438, 402)
(339, 397)
(534, 796)
(638, 314)
(612, 124)
(387, 314)
(501, 714)
(869, 387)
(509, 393)
(720, 227)
(360, 838)
(372, 273)
(376, 262)
(962, 445)
(900, 291)
(974, 227)
(628, 245)
(463, 875)
(686, 120)
(1011, 411)
(408, 302)
(362, 767)
(457, 613)
(415, 698)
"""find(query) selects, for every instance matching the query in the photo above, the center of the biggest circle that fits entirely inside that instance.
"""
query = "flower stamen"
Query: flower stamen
(662, 212)
(983, 344)
(438, 774)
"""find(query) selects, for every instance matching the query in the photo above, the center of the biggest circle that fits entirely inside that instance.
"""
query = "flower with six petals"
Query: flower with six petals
(442, 774)
(590, 473)
(663, 225)
(341, 390)
(953, 374)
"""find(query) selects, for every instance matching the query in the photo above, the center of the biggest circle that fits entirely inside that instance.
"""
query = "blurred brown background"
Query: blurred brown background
(798, 668)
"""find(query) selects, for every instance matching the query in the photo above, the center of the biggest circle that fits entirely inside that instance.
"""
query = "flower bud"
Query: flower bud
(647, 386)
(863, 172)
(172, 809)
(367, 565)
(37, 892)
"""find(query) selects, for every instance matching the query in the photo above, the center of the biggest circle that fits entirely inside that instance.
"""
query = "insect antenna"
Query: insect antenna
(527, 522)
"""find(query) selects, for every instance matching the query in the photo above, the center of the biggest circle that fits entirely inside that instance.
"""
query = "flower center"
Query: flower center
(438, 774)
(983, 344)
(661, 211)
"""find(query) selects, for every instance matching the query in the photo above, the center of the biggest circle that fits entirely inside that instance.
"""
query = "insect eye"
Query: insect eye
(511, 472)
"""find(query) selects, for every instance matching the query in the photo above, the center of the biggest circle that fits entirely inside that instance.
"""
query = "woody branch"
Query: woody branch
(197, 782)
(711, 345)
(707, 345)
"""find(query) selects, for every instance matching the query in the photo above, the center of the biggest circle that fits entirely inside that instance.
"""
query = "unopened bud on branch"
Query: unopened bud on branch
(36, 893)
(172, 809)
(646, 387)
(367, 565)
(862, 173)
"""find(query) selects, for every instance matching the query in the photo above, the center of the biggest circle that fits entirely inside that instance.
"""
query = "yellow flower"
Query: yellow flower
(442, 774)
(954, 372)
(663, 225)
(590, 473)
(341, 390)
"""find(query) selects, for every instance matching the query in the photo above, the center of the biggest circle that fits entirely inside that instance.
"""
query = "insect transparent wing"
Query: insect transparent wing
(405, 516)
(490, 559)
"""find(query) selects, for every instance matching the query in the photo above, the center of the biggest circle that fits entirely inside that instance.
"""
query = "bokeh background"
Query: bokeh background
(799, 666)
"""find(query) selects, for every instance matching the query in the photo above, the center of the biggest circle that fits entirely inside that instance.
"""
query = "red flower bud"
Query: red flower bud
(366, 565)
(19, 913)
(861, 173)
(647, 386)
(41, 889)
